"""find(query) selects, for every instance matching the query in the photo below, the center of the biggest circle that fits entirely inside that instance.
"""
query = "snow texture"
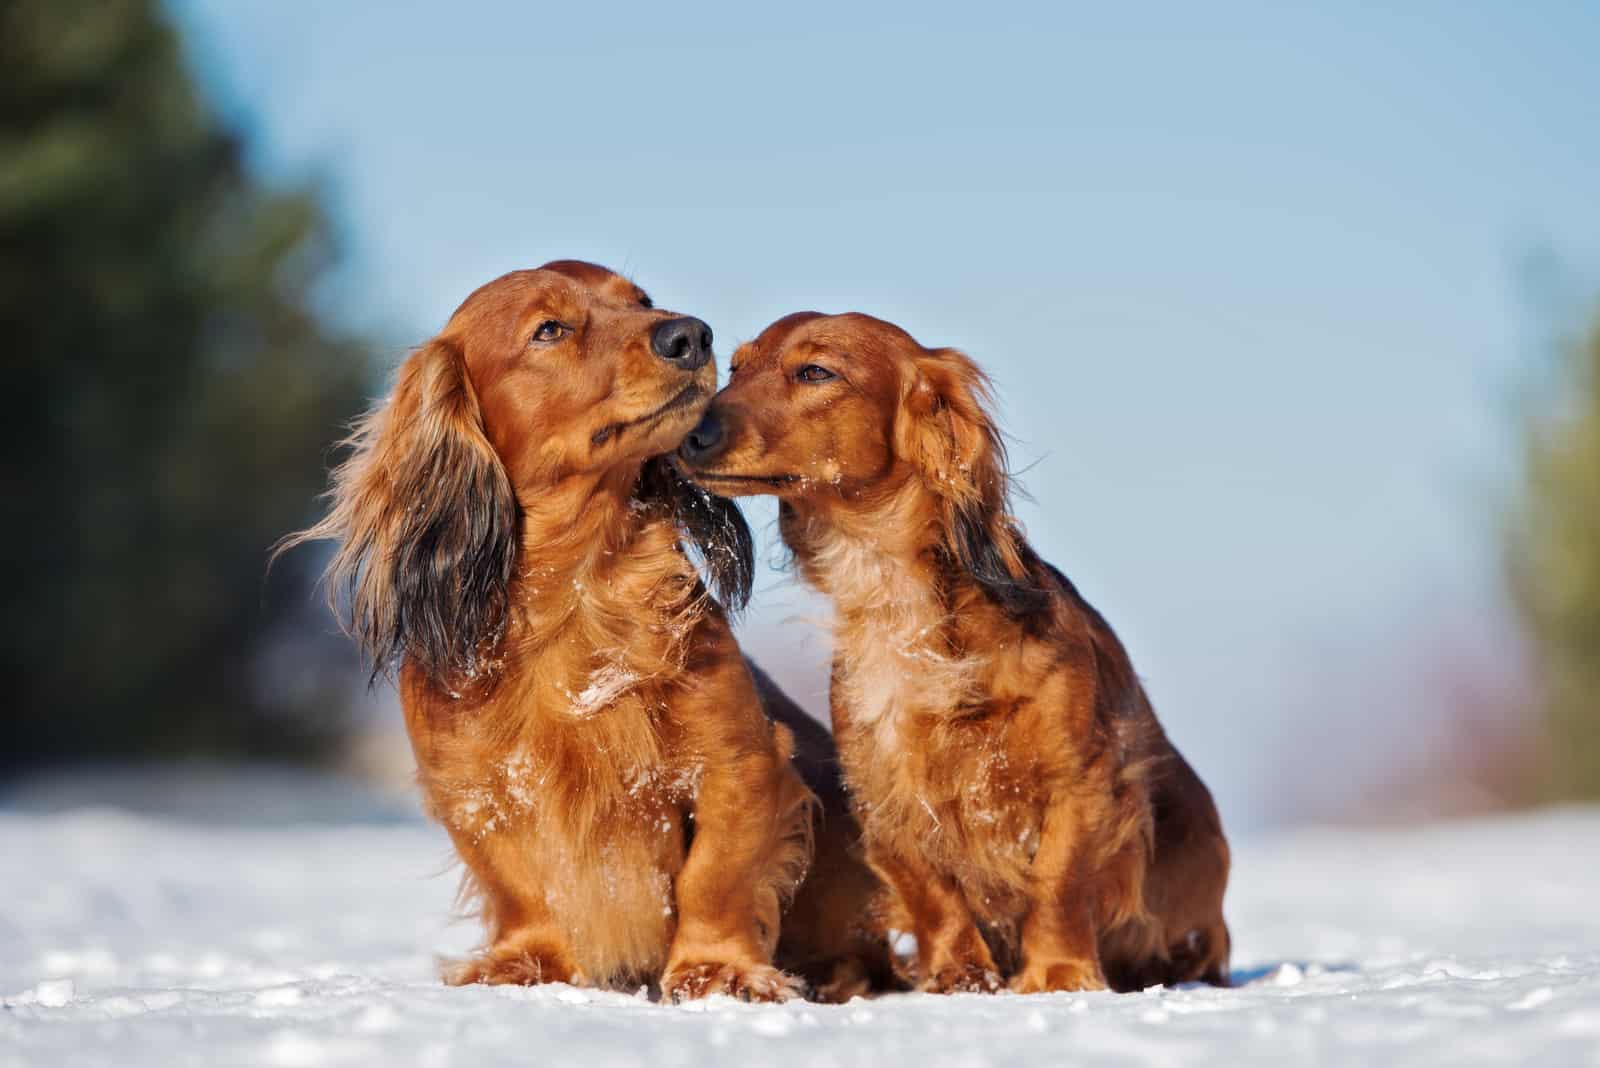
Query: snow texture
(247, 932)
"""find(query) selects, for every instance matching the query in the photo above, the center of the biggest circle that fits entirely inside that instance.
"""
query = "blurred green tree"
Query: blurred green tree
(172, 391)
(1555, 565)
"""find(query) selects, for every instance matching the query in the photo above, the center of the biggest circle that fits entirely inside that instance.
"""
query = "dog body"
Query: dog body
(1015, 790)
(571, 784)
(584, 725)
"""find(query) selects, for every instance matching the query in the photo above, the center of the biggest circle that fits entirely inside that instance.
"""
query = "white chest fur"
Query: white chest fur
(890, 634)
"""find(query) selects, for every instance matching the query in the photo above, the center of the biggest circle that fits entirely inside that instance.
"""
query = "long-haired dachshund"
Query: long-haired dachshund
(584, 726)
(1016, 793)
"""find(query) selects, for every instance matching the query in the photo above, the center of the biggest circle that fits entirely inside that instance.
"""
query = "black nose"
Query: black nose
(684, 342)
(705, 442)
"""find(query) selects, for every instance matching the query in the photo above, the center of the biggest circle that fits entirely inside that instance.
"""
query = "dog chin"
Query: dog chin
(734, 484)
(656, 430)
(676, 422)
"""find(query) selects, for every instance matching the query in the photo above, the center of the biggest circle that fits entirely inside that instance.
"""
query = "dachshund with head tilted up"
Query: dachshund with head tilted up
(1017, 795)
(585, 728)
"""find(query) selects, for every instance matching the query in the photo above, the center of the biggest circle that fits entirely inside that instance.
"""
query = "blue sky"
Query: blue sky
(1246, 276)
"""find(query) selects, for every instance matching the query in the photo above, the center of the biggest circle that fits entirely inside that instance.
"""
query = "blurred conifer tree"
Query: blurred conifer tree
(170, 392)
(1555, 565)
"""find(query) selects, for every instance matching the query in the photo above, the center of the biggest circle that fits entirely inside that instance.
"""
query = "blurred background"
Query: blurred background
(1293, 316)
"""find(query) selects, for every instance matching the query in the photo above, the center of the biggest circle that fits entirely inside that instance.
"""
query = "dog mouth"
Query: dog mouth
(682, 399)
(748, 480)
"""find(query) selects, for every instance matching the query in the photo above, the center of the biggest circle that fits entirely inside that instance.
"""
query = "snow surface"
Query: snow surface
(251, 930)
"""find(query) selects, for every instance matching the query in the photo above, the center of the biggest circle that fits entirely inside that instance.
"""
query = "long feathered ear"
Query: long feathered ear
(945, 430)
(426, 524)
(715, 527)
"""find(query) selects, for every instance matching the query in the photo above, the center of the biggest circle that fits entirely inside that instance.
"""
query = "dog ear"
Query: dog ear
(714, 526)
(945, 430)
(426, 524)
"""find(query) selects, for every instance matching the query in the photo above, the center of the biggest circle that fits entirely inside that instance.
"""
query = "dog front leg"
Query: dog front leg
(1059, 950)
(525, 943)
(952, 956)
(728, 891)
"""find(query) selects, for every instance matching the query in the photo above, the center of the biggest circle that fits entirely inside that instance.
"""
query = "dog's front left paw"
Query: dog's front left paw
(1063, 975)
(749, 982)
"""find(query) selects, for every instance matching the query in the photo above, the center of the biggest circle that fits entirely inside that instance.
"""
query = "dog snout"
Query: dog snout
(706, 441)
(685, 343)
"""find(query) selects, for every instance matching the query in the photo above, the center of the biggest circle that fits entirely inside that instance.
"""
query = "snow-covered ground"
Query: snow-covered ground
(241, 927)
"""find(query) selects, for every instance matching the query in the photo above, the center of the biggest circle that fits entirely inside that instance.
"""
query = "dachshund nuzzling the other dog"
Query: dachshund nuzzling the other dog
(1018, 798)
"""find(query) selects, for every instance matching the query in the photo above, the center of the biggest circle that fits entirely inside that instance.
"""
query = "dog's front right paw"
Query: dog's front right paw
(513, 965)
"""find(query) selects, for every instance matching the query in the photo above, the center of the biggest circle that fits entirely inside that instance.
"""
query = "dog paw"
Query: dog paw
(751, 982)
(1065, 975)
(518, 966)
(846, 978)
(961, 979)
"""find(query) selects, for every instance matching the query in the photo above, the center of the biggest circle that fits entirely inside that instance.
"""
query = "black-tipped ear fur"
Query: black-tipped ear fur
(427, 526)
(944, 429)
(714, 526)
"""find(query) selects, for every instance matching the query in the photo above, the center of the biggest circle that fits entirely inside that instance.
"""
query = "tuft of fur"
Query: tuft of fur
(714, 526)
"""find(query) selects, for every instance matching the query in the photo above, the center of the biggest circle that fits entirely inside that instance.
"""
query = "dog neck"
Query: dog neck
(866, 550)
(568, 528)
(880, 561)
(598, 569)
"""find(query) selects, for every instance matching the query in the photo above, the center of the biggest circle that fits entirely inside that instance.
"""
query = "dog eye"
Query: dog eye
(645, 301)
(550, 330)
(812, 373)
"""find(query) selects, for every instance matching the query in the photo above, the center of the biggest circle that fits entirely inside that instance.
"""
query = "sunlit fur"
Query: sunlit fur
(584, 725)
(1016, 793)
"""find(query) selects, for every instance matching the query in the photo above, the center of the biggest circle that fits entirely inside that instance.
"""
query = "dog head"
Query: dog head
(844, 411)
(571, 370)
(540, 376)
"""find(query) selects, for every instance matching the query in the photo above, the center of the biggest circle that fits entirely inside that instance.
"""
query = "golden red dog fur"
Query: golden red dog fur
(1016, 792)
